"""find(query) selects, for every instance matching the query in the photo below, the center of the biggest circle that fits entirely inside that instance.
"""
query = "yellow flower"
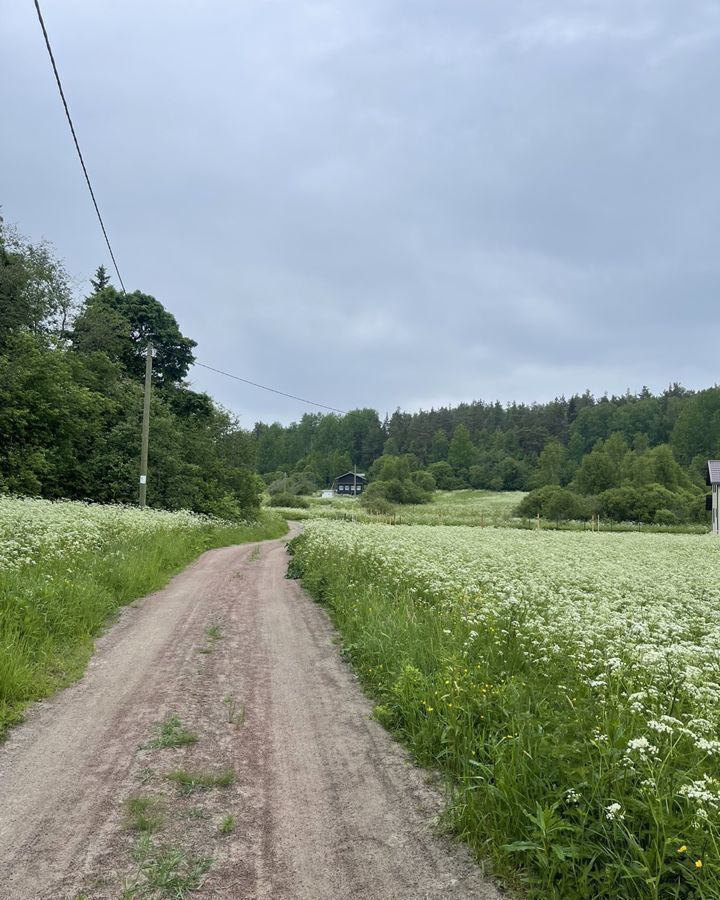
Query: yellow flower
(682, 849)
(698, 864)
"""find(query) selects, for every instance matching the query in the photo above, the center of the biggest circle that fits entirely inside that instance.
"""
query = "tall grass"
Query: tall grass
(54, 600)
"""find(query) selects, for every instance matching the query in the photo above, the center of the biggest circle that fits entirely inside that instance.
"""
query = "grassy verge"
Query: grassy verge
(578, 773)
(53, 605)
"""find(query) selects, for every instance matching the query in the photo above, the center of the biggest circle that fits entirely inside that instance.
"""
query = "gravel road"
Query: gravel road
(325, 805)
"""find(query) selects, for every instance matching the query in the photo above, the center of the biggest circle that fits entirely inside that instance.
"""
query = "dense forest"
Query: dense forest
(638, 456)
(71, 376)
(71, 396)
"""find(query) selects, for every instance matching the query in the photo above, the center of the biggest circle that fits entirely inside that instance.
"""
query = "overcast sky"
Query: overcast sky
(387, 202)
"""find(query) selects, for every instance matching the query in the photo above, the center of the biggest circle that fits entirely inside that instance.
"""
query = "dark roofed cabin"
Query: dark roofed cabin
(349, 484)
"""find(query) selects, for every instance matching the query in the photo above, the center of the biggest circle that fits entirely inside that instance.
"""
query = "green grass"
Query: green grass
(144, 814)
(51, 610)
(188, 782)
(165, 872)
(170, 733)
(541, 742)
(213, 632)
(227, 826)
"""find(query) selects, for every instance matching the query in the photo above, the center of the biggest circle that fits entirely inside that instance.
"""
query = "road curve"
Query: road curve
(325, 804)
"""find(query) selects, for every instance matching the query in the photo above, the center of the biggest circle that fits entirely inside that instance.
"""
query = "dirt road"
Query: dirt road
(324, 803)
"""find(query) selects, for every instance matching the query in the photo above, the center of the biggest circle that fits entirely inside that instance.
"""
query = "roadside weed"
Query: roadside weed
(235, 711)
(197, 812)
(144, 814)
(170, 733)
(200, 781)
(213, 632)
(227, 826)
(165, 872)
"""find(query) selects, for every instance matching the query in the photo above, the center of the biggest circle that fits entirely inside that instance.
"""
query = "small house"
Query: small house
(713, 480)
(349, 484)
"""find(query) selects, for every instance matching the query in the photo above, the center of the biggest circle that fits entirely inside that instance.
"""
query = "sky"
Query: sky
(386, 203)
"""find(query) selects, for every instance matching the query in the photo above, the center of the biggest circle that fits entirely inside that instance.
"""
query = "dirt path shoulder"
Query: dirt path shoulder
(322, 804)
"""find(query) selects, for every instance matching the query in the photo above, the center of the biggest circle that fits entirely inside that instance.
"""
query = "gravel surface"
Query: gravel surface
(326, 806)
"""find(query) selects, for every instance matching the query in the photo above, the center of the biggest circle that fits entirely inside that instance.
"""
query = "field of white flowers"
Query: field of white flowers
(66, 566)
(33, 530)
(567, 682)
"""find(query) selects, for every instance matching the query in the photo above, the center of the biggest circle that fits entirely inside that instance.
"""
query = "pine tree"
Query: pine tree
(101, 280)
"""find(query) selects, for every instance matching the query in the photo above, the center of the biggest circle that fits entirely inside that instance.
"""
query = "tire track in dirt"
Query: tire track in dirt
(326, 805)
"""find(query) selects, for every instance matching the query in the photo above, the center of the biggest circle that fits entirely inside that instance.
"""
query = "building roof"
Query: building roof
(351, 475)
(713, 475)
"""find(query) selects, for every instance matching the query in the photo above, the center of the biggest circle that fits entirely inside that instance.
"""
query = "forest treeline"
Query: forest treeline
(71, 386)
(639, 457)
(71, 396)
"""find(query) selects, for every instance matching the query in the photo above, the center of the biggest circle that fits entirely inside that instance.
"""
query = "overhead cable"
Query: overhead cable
(107, 239)
(77, 145)
(272, 390)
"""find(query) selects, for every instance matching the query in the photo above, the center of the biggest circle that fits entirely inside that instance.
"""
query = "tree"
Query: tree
(128, 322)
(439, 446)
(101, 280)
(461, 452)
(35, 289)
(551, 464)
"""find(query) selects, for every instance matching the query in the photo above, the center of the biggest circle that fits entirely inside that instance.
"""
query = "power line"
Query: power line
(272, 390)
(107, 239)
(77, 145)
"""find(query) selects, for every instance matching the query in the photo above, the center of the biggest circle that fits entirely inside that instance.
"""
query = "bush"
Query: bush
(291, 500)
(444, 476)
(424, 480)
(296, 483)
(397, 491)
(554, 502)
(377, 505)
(646, 504)
(665, 517)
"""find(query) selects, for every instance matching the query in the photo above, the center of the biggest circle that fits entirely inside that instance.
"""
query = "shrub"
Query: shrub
(665, 517)
(289, 500)
(377, 505)
(554, 502)
(296, 483)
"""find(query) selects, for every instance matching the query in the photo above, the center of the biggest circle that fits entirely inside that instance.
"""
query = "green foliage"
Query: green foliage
(189, 782)
(71, 397)
(144, 814)
(295, 483)
(170, 733)
(377, 504)
(461, 452)
(165, 872)
(554, 502)
(444, 476)
(291, 501)
(569, 701)
(122, 325)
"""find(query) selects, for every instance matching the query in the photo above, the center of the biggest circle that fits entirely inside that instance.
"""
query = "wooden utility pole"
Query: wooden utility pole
(145, 427)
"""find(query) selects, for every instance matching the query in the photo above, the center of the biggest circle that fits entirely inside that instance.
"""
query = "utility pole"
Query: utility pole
(145, 427)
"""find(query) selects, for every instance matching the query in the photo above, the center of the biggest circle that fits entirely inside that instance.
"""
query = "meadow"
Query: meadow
(567, 684)
(65, 567)
(447, 508)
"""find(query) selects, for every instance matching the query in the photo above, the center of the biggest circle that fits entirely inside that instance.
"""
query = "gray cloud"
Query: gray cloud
(388, 203)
